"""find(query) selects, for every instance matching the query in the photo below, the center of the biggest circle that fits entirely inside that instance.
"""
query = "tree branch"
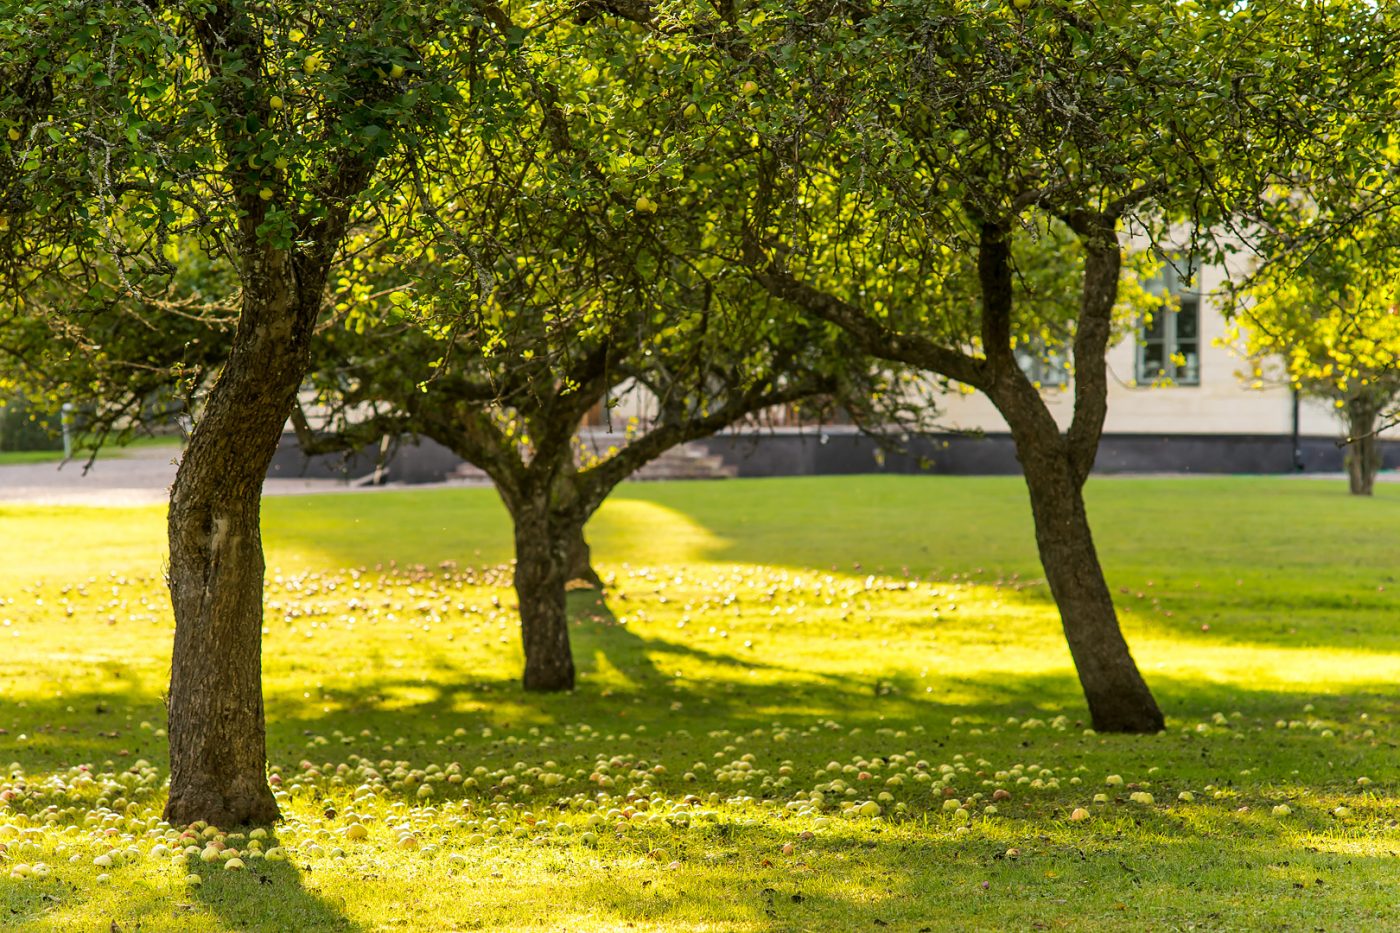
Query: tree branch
(873, 338)
(596, 482)
(994, 275)
(1102, 265)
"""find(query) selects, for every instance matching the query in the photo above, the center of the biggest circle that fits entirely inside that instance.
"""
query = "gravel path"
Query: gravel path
(142, 476)
(138, 476)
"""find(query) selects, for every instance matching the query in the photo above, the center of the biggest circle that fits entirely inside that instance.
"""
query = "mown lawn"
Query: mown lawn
(804, 704)
(80, 456)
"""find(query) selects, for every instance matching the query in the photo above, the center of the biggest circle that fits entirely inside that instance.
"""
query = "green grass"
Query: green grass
(18, 457)
(753, 634)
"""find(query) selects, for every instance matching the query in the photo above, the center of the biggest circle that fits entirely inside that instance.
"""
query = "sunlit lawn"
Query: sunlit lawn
(772, 663)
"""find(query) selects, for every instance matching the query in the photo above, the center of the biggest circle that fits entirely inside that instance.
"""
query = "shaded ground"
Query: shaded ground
(760, 643)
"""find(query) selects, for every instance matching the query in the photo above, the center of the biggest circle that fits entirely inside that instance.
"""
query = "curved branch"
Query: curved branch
(874, 338)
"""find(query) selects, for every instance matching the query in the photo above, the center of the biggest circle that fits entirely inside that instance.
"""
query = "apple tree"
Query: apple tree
(257, 135)
(905, 149)
(1322, 310)
(588, 277)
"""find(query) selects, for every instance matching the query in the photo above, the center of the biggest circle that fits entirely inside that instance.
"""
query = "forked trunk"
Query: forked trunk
(1118, 697)
(541, 572)
(1056, 466)
(1363, 454)
(217, 732)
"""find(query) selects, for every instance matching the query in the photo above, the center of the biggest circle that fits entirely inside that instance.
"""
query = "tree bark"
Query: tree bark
(217, 732)
(541, 571)
(1118, 698)
(1056, 466)
(580, 558)
(1363, 454)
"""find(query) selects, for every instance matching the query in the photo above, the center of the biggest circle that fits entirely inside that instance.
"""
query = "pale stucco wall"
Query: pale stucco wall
(1223, 403)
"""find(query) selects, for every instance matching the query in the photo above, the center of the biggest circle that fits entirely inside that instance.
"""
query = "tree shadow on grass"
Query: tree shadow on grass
(449, 695)
(854, 879)
(274, 896)
(869, 876)
(599, 635)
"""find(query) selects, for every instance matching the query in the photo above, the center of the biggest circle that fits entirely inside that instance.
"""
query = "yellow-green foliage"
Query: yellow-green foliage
(1330, 320)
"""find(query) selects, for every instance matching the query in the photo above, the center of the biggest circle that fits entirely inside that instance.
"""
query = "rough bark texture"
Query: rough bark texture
(581, 559)
(1056, 466)
(217, 744)
(541, 571)
(1363, 454)
(1118, 698)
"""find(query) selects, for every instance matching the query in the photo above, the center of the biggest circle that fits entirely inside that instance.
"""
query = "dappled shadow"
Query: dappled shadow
(904, 877)
(736, 871)
(241, 899)
(681, 697)
(431, 703)
(270, 896)
(600, 636)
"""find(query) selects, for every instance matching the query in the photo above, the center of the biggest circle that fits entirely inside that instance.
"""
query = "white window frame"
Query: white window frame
(1170, 282)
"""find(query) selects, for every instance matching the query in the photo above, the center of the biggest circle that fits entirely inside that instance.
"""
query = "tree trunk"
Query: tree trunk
(1056, 466)
(581, 558)
(217, 731)
(1363, 454)
(541, 570)
(1118, 698)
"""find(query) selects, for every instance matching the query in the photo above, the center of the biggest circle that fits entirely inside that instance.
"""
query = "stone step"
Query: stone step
(686, 462)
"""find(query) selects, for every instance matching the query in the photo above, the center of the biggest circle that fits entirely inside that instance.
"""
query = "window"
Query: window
(1169, 345)
(1048, 369)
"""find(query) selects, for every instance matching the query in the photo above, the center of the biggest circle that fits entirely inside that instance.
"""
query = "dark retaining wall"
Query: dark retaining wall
(846, 451)
(416, 461)
(843, 451)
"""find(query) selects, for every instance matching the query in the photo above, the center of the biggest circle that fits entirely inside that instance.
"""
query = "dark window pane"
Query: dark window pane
(1155, 328)
(1188, 319)
(1153, 360)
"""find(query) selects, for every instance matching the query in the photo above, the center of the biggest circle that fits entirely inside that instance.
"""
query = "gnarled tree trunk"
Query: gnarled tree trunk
(1363, 453)
(1118, 698)
(542, 555)
(217, 742)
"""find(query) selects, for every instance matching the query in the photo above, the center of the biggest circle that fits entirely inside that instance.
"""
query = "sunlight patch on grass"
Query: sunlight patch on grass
(761, 667)
(652, 532)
